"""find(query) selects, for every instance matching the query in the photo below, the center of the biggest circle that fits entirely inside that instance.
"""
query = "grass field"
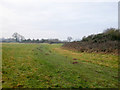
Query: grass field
(50, 66)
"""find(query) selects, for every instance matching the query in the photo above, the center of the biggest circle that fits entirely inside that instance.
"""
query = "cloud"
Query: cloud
(56, 18)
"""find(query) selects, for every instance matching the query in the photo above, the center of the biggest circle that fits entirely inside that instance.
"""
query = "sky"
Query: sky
(57, 18)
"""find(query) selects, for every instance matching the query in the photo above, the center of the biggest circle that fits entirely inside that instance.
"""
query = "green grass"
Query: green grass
(50, 66)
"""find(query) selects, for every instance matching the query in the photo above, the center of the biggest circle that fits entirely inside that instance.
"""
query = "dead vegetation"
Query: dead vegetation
(106, 42)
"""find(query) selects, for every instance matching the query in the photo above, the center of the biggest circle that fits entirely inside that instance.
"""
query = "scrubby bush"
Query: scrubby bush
(106, 42)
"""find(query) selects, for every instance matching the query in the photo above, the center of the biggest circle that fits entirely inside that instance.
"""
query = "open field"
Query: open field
(50, 66)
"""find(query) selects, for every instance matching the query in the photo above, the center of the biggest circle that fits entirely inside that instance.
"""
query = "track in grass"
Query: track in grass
(49, 66)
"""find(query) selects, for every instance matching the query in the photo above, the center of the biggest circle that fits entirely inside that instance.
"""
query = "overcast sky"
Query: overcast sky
(57, 18)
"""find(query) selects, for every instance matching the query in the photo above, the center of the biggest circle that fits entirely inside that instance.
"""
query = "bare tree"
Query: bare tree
(69, 39)
(15, 35)
(18, 37)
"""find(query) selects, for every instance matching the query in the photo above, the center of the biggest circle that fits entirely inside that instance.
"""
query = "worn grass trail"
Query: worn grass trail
(49, 66)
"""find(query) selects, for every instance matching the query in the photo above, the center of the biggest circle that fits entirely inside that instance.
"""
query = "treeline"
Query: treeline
(106, 42)
(21, 39)
(110, 34)
(50, 41)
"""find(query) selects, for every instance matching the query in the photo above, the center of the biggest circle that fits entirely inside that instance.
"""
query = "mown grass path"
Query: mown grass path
(50, 66)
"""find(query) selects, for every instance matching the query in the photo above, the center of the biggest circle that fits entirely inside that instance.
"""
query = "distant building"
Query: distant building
(7, 40)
